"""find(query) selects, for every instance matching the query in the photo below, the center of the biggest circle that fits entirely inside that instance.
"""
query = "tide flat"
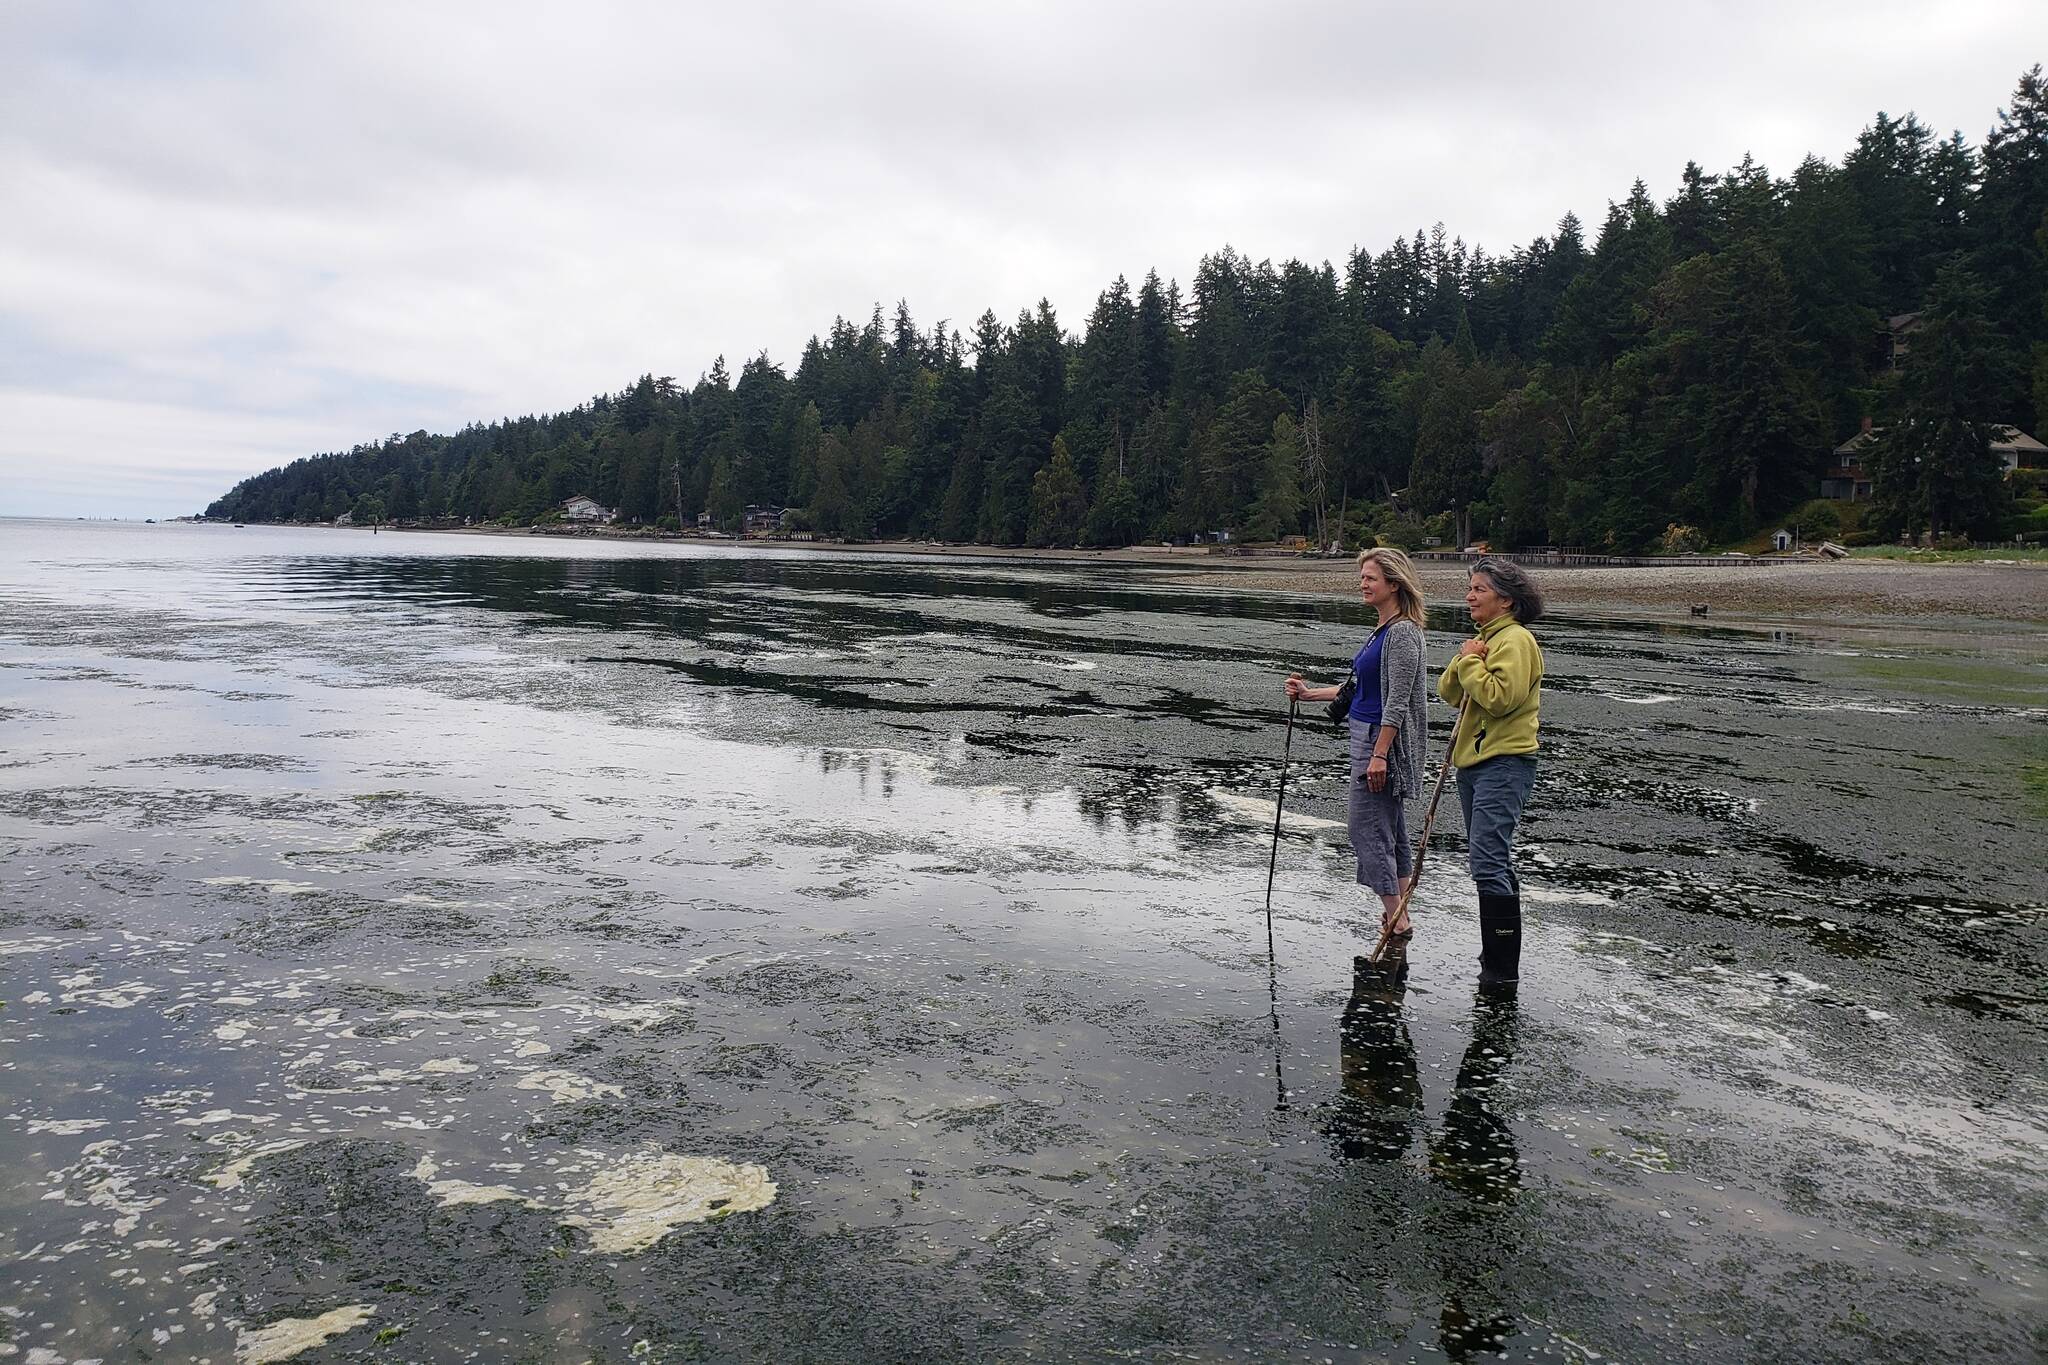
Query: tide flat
(560, 951)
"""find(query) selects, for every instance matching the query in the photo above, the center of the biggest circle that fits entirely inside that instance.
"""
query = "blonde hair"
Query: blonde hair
(1398, 570)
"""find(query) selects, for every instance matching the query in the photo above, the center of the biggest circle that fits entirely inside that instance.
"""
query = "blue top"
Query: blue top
(1365, 702)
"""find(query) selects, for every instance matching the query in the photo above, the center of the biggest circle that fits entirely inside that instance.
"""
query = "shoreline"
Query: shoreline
(1856, 595)
(1941, 595)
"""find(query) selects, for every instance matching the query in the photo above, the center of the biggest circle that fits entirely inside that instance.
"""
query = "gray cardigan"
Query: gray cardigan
(1404, 701)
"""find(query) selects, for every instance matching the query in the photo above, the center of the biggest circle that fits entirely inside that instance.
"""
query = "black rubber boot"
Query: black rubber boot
(1500, 939)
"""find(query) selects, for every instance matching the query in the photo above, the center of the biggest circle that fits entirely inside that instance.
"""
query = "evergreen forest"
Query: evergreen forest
(1680, 369)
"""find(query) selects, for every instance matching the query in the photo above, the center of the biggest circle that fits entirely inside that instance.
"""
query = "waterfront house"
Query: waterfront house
(2016, 450)
(581, 508)
(1847, 478)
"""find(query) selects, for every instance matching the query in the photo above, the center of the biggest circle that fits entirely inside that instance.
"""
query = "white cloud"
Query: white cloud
(89, 454)
(314, 224)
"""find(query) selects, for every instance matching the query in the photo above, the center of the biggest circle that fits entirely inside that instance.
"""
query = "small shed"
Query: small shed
(1781, 539)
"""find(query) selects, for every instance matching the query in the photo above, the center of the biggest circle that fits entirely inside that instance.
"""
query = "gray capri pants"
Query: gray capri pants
(1378, 821)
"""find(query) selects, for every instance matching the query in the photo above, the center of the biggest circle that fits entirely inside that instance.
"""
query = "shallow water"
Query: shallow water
(559, 951)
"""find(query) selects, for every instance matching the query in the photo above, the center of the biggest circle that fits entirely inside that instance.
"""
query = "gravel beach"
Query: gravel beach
(2004, 592)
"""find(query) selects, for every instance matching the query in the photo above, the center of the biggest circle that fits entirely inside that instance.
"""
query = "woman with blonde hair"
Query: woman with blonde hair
(1387, 728)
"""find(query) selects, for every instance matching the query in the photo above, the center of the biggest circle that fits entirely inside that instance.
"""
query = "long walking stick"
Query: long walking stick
(1279, 803)
(1422, 845)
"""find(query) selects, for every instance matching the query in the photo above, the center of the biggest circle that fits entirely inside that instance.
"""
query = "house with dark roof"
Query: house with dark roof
(1846, 476)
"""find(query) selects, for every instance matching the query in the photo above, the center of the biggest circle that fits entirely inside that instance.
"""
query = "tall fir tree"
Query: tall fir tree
(1059, 505)
(1932, 466)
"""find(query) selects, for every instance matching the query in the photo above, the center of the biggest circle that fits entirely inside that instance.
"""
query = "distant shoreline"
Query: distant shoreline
(1946, 596)
(1862, 593)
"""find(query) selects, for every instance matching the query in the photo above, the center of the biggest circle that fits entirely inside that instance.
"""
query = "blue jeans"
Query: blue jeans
(1492, 793)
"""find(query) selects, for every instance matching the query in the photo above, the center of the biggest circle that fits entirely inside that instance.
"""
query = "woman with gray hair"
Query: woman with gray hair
(1387, 729)
(1498, 679)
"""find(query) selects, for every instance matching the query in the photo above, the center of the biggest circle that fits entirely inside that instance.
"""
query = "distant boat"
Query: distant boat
(149, 521)
(238, 526)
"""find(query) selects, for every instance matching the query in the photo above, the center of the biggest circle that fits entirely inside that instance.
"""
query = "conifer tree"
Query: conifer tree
(1448, 473)
(960, 509)
(1155, 340)
(723, 499)
(1277, 513)
(1827, 255)
(2012, 208)
(1059, 505)
(1235, 448)
(1009, 438)
(803, 473)
(1691, 214)
(1932, 466)
(1113, 519)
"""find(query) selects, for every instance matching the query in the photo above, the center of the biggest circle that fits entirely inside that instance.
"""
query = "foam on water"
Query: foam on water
(567, 1087)
(1257, 811)
(287, 1337)
(640, 1198)
(450, 1193)
(231, 1176)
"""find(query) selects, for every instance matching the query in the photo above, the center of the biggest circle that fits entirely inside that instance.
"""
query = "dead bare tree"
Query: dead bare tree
(1315, 471)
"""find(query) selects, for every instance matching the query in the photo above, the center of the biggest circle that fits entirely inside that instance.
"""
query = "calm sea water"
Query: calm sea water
(443, 948)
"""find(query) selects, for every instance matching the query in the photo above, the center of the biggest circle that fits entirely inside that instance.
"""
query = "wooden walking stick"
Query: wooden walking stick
(1422, 845)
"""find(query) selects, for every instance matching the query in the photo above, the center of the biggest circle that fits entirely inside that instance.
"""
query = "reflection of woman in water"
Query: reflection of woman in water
(1472, 1158)
(1499, 678)
(1474, 1154)
(1387, 728)
(1376, 1115)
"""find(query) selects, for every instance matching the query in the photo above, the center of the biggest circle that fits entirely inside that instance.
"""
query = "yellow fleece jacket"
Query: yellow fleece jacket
(1505, 688)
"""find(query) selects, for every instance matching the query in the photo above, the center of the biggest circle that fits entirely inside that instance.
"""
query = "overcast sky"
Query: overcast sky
(235, 234)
